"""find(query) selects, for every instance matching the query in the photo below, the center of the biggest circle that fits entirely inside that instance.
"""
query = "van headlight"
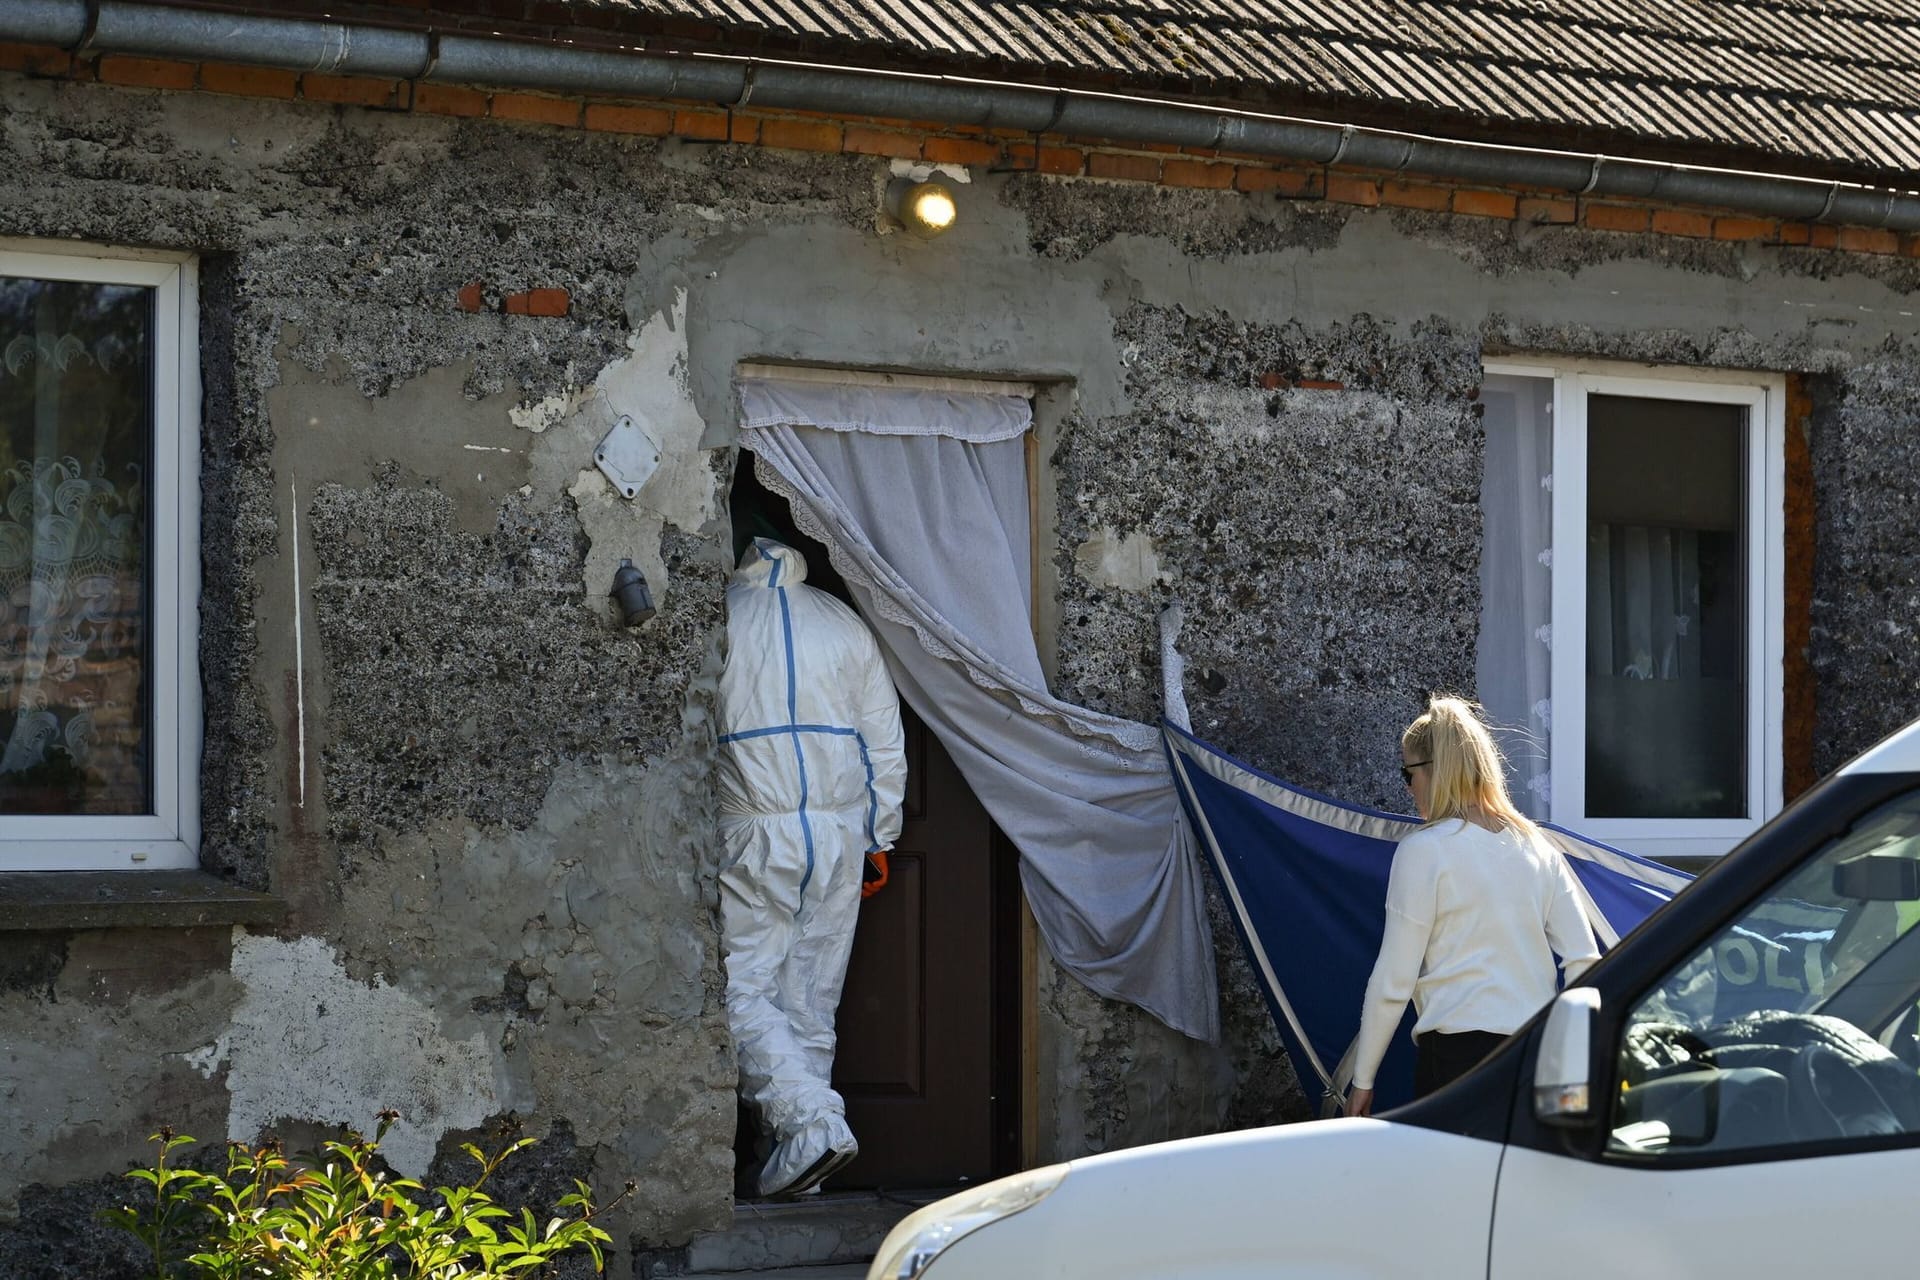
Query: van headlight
(911, 1247)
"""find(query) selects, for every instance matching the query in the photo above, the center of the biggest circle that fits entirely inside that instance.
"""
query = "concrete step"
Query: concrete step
(835, 1229)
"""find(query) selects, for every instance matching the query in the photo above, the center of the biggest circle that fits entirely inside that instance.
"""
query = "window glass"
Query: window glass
(1666, 609)
(1798, 1024)
(76, 429)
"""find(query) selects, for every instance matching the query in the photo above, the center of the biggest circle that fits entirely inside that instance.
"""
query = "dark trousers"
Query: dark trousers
(1441, 1057)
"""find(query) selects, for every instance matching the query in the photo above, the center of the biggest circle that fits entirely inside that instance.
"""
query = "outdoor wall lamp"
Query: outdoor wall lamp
(631, 595)
(924, 208)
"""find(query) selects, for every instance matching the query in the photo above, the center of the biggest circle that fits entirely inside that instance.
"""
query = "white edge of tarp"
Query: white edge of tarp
(883, 410)
(1182, 757)
(1378, 826)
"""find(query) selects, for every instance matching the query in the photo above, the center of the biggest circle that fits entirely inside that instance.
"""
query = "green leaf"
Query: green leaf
(271, 1219)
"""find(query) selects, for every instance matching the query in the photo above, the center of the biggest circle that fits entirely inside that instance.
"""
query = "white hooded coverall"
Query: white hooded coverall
(811, 777)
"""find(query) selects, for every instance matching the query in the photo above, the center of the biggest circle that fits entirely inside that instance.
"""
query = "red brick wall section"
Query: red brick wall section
(1000, 150)
(1487, 204)
(1347, 188)
(1416, 195)
(1547, 211)
(535, 302)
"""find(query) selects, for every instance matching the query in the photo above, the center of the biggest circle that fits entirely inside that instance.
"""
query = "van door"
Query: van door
(1758, 1093)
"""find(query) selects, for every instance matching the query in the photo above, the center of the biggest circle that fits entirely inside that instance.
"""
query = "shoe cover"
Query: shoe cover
(804, 1158)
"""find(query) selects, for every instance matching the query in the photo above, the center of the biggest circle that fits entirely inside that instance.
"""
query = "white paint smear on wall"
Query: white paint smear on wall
(1125, 563)
(207, 1059)
(648, 384)
(310, 1042)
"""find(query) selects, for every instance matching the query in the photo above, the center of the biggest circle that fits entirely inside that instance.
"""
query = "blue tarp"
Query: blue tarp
(1305, 878)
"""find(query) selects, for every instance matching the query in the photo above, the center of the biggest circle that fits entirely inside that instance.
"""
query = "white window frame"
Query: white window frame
(1764, 396)
(169, 837)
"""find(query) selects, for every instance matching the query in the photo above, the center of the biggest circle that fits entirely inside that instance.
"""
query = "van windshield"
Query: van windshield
(1800, 1022)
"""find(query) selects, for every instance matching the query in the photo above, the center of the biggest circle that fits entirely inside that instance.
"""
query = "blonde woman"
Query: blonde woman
(1478, 904)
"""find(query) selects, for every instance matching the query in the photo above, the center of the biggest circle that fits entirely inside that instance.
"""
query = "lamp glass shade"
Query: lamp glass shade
(929, 209)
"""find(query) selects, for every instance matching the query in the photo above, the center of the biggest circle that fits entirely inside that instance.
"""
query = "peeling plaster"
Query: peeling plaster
(649, 384)
(536, 416)
(310, 1042)
(1125, 562)
(919, 171)
(79, 1104)
(328, 430)
(208, 1059)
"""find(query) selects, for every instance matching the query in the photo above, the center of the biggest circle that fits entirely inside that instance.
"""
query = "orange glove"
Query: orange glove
(873, 877)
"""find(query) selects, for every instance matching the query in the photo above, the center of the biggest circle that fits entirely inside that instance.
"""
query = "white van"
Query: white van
(1733, 1092)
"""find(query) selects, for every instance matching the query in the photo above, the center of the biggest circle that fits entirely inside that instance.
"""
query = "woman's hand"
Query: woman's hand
(1359, 1102)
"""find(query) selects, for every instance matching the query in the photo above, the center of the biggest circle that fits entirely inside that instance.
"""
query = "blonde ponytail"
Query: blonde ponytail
(1467, 771)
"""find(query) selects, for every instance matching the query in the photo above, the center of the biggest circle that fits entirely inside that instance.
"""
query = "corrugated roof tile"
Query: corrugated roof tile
(1667, 57)
(1904, 129)
(1357, 72)
(1819, 80)
(1433, 86)
(1885, 143)
(1273, 53)
(1846, 131)
(1313, 70)
(825, 18)
(1443, 23)
(1526, 95)
(1717, 115)
(1048, 34)
(1194, 49)
(1381, 69)
(1470, 81)
(1773, 126)
(928, 35)
(1640, 54)
(1335, 76)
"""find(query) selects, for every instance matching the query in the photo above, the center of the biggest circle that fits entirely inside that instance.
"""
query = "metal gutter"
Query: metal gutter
(115, 26)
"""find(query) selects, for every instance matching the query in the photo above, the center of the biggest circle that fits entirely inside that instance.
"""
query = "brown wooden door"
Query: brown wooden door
(925, 1059)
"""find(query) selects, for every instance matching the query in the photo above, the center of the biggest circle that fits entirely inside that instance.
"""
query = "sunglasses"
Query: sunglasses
(1406, 770)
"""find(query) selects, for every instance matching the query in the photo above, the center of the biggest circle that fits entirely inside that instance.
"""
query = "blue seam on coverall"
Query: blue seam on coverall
(866, 761)
(873, 796)
(796, 729)
(793, 716)
(790, 728)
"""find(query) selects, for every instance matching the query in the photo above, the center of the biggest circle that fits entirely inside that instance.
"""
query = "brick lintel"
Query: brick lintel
(638, 122)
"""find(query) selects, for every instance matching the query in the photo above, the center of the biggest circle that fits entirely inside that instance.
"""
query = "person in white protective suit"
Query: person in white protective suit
(811, 775)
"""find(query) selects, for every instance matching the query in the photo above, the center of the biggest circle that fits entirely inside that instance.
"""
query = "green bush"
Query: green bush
(337, 1216)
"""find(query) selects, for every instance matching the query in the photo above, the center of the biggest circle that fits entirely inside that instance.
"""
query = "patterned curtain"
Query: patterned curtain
(75, 414)
(1514, 659)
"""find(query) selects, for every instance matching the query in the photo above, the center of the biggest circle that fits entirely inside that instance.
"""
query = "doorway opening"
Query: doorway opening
(929, 1047)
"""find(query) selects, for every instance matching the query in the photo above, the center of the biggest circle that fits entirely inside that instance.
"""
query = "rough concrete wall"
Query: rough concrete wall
(1328, 595)
(485, 801)
(488, 807)
(102, 1034)
(1866, 605)
(1292, 523)
(1356, 553)
(498, 851)
(1325, 540)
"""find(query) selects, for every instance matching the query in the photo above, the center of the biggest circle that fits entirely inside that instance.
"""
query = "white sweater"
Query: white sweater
(1474, 918)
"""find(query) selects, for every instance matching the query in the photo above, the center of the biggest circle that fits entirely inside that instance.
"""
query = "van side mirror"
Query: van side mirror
(1562, 1084)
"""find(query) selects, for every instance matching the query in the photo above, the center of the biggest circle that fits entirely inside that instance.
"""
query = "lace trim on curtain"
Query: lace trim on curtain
(885, 411)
